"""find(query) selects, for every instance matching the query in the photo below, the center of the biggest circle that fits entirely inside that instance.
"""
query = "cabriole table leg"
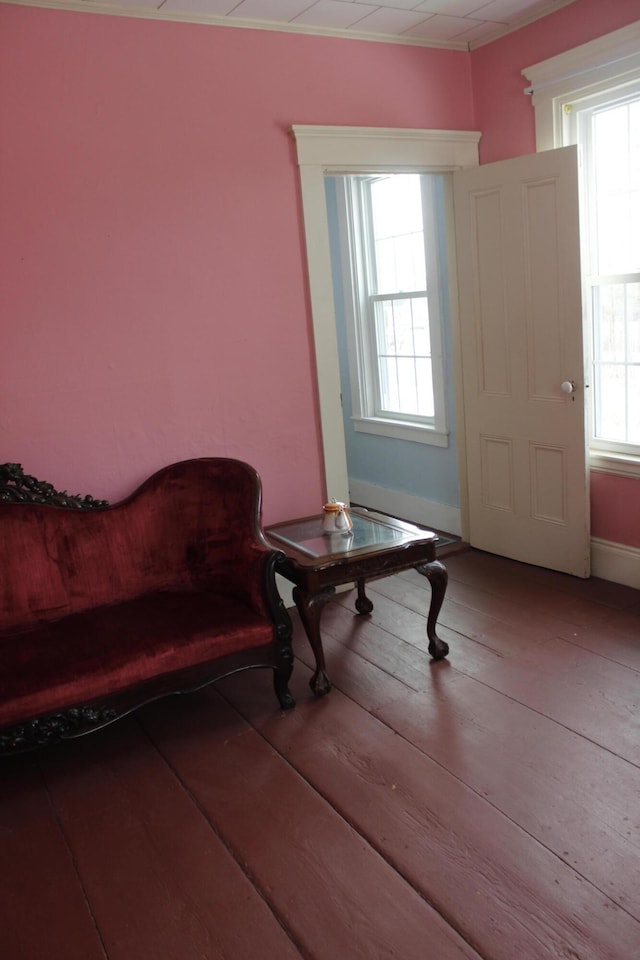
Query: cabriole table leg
(363, 604)
(309, 607)
(436, 574)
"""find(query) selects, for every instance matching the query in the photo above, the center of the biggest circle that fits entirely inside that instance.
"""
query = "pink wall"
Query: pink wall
(505, 116)
(614, 508)
(155, 305)
(503, 112)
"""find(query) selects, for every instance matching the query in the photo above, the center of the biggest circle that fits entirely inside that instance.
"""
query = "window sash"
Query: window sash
(402, 373)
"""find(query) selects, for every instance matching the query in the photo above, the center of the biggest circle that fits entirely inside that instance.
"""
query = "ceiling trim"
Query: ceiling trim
(89, 6)
(551, 7)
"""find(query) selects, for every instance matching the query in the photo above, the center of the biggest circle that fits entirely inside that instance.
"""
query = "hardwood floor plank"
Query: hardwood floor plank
(490, 879)
(570, 599)
(534, 619)
(43, 910)
(408, 626)
(502, 572)
(402, 659)
(585, 692)
(375, 685)
(579, 800)
(161, 883)
(591, 694)
(328, 886)
(613, 641)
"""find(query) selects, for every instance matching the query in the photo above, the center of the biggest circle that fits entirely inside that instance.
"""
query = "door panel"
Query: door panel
(517, 238)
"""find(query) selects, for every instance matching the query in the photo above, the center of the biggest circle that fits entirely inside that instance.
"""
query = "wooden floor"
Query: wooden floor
(487, 806)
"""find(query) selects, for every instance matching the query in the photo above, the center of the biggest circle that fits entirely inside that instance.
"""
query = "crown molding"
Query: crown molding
(541, 12)
(141, 13)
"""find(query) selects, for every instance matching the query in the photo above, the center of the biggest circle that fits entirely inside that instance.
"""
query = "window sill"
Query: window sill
(620, 464)
(401, 431)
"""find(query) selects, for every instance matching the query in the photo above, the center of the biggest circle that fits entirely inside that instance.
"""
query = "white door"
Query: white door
(517, 239)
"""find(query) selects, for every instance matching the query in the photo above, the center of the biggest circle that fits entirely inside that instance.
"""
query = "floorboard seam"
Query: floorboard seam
(486, 800)
(471, 788)
(304, 954)
(74, 862)
(343, 816)
(484, 683)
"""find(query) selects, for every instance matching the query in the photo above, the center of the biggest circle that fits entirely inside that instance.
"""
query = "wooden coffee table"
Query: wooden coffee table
(378, 546)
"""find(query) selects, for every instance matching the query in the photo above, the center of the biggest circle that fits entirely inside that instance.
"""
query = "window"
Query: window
(591, 96)
(396, 364)
(607, 129)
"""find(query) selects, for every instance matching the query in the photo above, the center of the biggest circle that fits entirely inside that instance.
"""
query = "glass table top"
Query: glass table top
(369, 532)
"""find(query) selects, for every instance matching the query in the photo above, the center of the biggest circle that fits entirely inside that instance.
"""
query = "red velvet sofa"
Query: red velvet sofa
(104, 608)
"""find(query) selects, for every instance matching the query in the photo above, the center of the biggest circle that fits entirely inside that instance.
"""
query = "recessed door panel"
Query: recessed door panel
(543, 294)
(492, 329)
(548, 483)
(497, 473)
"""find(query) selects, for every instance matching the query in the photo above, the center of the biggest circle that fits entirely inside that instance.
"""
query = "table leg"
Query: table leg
(437, 575)
(309, 607)
(363, 604)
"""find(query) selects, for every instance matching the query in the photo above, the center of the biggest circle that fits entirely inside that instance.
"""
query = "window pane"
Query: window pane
(424, 380)
(633, 325)
(388, 372)
(616, 313)
(634, 145)
(610, 382)
(609, 326)
(616, 165)
(421, 330)
(403, 327)
(633, 405)
(398, 240)
(385, 327)
(407, 391)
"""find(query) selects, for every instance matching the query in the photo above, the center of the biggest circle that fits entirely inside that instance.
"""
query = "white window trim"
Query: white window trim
(325, 150)
(599, 64)
(363, 418)
(609, 62)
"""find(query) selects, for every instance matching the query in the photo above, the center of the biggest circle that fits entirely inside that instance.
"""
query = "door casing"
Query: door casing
(362, 150)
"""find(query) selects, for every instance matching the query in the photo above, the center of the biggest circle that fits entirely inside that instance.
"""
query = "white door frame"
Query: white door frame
(333, 151)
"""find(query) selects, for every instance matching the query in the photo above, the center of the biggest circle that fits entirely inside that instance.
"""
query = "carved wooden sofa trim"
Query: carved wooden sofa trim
(105, 608)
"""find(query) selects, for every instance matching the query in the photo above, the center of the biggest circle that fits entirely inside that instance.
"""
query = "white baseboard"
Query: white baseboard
(615, 562)
(428, 513)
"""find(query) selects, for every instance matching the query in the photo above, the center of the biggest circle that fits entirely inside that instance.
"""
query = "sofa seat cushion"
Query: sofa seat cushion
(86, 656)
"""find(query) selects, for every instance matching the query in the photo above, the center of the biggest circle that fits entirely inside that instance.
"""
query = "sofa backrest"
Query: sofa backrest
(190, 526)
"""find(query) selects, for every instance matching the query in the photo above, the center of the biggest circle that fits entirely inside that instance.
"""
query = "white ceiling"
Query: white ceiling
(458, 24)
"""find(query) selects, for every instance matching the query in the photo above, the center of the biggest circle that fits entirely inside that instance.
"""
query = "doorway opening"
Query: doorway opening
(389, 236)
